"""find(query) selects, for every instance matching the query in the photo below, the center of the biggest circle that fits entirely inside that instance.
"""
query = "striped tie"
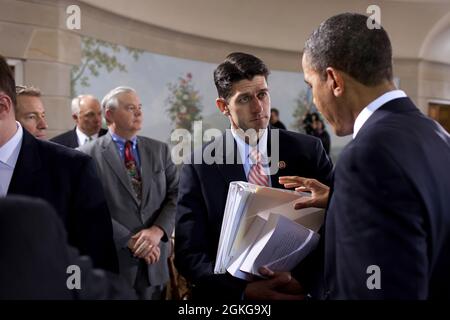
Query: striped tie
(257, 174)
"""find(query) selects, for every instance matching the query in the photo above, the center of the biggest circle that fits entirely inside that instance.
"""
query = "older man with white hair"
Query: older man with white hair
(87, 114)
(141, 186)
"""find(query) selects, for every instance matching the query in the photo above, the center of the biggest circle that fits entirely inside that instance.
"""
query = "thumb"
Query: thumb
(280, 279)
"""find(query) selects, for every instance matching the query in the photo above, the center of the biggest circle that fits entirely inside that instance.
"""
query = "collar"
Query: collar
(82, 136)
(245, 149)
(121, 141)
(365, 114)
(9, 152)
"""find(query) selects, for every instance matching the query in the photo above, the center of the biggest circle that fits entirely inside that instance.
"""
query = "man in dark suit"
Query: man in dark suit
(65, 178)
(387, 231)
(141, 184)
(241, 82)
(87, 114)
(35, 258)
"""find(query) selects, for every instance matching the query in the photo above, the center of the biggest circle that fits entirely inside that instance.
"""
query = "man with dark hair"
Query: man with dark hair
(30, 111)
(387, 233)
(243, 97)
(67, 179)
(87, 114)
(275, 119)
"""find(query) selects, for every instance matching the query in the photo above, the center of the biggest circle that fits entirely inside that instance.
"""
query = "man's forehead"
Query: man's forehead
(255, 84)
(128, 97)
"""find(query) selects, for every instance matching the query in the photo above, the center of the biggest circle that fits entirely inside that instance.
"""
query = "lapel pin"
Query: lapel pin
(281, 164)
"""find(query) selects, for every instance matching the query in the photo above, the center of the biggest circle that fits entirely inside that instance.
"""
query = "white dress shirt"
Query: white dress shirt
(82, 138)
(365, 114)
(245, 150)
(9, 153)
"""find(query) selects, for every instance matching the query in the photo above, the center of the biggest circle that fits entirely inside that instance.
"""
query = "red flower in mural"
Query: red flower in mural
(184, 106)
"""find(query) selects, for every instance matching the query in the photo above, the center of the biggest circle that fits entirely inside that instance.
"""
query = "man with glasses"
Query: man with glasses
(87, 114)
(141, 185)
(30, 111)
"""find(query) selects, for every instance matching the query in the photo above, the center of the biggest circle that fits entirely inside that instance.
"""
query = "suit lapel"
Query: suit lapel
(28, 163)
(112, 158)
(146, 168)
(74, 138)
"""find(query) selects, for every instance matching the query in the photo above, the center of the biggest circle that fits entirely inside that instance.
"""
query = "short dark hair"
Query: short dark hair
(7, 83)
(236, 67)
(346, 43)
(275, 110)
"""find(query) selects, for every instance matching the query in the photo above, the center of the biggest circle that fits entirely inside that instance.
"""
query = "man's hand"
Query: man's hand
(279, 286)
(145, 244)
(319, 191)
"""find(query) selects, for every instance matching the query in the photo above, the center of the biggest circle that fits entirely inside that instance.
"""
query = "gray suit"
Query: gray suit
(159, 192)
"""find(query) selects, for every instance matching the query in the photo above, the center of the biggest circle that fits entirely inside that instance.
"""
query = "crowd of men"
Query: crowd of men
(109, 200)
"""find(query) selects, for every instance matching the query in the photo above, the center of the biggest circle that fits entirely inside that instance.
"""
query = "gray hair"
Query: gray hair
(110, 100)
(75, 105)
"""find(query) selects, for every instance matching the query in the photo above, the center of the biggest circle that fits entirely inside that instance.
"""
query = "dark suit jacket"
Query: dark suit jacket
(391, 208)
(35, 257)
(202, 196)
(70, 139)
(68, 180)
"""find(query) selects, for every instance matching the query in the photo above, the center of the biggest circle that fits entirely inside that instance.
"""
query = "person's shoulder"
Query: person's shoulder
(51, 149)
(63, 136)
(297, 138)
(153, 144)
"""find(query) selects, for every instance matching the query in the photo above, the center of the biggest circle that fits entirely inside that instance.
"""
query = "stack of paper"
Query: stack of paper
(260, 227)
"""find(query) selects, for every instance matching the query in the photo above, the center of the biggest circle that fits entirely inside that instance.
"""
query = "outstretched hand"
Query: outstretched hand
(319, 191)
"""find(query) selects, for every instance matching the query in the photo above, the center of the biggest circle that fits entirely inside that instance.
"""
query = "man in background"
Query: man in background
(141, 184)
(30, 111)
(275, 119)
(87, 114)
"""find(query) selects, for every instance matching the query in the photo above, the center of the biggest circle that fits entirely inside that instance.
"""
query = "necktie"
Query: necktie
(132, 170)
(257, 174)
(87, 139)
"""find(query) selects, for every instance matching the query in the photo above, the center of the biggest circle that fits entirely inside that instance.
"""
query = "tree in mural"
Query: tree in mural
(184, 106)
(303, 112)
(98, 54)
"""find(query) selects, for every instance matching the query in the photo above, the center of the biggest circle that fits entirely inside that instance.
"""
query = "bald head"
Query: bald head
(87, 113)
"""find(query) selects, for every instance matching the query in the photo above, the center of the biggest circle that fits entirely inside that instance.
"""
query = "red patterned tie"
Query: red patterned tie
(257, 174)
(132, 169)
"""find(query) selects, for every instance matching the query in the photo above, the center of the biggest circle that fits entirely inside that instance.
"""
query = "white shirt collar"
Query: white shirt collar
(9, 152)
(82, 138)
(365, 114)
(245, 149)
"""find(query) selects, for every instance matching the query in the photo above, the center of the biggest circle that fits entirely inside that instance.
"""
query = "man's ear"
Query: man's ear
(5, 106)
(222, 106)
(108, 115)
(336, 81)
(75, 118)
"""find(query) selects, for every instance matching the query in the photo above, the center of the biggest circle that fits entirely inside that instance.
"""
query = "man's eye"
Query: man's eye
(244, 99)
(262, 95)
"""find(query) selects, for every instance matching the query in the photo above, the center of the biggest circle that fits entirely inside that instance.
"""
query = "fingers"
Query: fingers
(143, 248)
(264, 271)
(153, 255)
(307, 203)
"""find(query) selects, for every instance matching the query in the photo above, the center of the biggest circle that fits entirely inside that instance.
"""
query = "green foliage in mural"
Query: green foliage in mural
(98, 54)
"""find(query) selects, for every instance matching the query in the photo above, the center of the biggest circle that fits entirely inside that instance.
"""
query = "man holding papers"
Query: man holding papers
(249, 151)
